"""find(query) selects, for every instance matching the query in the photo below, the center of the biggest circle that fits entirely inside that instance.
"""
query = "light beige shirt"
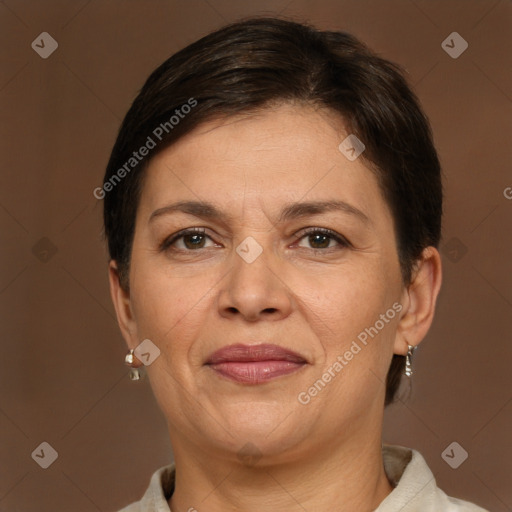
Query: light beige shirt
(415, 487)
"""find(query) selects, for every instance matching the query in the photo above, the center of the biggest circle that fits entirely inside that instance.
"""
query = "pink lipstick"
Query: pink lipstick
(254, 364)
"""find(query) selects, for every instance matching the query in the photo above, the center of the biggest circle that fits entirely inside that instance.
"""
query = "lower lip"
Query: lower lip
(255, 372)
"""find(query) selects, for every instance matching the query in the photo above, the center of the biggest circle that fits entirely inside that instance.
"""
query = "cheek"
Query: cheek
(345, 316)
(349, 299)
(168, 310)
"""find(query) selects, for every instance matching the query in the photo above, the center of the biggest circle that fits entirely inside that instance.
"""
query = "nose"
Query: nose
(255, 288)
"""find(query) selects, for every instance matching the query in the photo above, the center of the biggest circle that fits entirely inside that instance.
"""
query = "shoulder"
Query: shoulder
(457, 505)
(134, 507)
(161, 486)
(416, 488)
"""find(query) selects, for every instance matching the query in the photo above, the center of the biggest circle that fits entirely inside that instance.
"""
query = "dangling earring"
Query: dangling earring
(129, 360)
(408, 366)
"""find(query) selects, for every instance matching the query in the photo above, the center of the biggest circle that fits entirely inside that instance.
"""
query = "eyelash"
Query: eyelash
(167, 243)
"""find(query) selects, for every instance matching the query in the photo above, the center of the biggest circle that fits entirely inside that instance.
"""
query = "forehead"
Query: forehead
(301, 128)
(279, 155)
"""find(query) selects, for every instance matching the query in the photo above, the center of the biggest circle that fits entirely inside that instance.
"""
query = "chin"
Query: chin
(270, 430)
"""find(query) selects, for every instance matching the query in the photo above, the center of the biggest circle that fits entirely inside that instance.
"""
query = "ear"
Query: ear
(419, 301)
(122, 304)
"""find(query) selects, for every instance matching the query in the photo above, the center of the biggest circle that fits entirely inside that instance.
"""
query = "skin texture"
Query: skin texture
(306, 293)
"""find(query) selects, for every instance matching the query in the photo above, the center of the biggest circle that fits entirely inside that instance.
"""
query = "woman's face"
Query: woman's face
(255, 276)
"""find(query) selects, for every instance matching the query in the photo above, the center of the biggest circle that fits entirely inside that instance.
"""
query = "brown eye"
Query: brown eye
(192, 239)
(195, 240)
(321, 238)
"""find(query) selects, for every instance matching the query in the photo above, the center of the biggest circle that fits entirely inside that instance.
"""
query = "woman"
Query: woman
(273, 208)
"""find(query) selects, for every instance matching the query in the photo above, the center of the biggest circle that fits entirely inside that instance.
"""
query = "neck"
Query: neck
(342, 477)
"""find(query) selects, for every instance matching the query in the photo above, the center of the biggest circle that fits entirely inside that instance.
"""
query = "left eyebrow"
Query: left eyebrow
(308, 208)
(290, 211)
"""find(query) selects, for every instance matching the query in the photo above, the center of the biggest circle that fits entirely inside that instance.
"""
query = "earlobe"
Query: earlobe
(419, 301)
(122, 304)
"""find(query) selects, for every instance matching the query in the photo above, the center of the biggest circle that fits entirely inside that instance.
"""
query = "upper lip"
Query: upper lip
(251, 353)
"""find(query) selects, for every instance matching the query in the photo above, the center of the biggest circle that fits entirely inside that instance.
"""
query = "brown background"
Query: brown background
(62, 377)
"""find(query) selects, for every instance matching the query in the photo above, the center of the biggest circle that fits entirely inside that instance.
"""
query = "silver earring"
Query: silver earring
(128, 358)
(135, 373)
(408, 366)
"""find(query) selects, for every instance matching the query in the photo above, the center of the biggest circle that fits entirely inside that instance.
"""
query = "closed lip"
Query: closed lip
(254, 353)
